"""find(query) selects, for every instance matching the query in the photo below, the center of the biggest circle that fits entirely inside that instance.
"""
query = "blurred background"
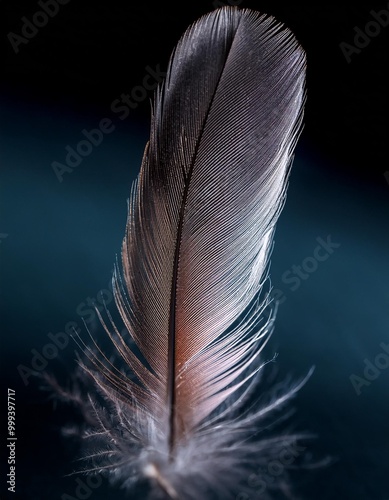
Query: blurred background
(61, 227)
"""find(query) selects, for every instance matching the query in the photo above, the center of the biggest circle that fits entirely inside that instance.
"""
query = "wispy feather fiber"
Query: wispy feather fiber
(191, 290)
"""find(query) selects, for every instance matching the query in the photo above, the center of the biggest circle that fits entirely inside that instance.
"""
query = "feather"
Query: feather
(192, 292)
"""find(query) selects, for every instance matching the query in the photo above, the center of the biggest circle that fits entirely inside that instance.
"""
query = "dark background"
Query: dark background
(58, 240)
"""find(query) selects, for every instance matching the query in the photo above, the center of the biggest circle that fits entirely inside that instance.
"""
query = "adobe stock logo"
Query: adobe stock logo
(93, 138)
(84, 488)
(266, 477)
(372, 369)
(297, 274)
(362, 38)
(50, 9)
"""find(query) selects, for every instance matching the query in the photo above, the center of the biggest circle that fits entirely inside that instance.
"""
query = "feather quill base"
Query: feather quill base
(217, 463)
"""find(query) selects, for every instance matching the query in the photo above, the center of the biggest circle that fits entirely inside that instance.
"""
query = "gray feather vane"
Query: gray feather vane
(195, 256)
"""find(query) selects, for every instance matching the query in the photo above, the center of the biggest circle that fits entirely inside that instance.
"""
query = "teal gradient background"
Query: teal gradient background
(60, 239)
